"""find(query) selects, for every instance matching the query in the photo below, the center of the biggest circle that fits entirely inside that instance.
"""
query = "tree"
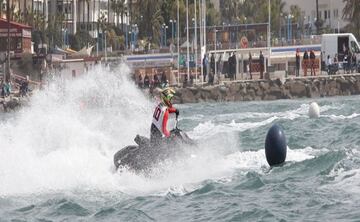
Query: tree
(119, 8)
(229, 11)
(318, 22)
(351, 13)
(54, 29)
(295, 11)
(2, 3)
(156, 22)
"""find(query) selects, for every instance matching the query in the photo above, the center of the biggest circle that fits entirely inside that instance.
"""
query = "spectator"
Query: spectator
(24, 87)
(219, 66)
(250, 64)
(191, 78)
(348, 62)
(211, 78)
(233, 65)
(2, 85)
(297, 58)
(185, 83)
(229, 71)
(140, 81)
(312, 63)
(305, 62)
(163, 78)
(7, 88)
(146, 81)
(204, 63)
(353, 62)
(336, 58)
(156, 81)
(262, 63)
(328, 62)
(329, 66)
(212, 63)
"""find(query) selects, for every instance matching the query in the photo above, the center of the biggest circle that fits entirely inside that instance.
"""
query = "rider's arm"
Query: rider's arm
(172, 109)
(164, 124)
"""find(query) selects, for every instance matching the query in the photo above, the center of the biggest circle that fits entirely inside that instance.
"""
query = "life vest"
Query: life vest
(158, 117)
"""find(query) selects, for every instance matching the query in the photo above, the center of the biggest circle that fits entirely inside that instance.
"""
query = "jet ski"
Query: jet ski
(144, 155)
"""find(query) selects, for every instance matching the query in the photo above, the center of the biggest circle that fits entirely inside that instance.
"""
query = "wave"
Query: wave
(341, 117)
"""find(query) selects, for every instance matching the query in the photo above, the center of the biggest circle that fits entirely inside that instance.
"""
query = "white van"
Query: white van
(339, 44)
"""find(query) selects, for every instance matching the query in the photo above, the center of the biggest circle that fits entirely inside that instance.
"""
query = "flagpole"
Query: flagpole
(178, 44)
(196, 49)
(187, 40)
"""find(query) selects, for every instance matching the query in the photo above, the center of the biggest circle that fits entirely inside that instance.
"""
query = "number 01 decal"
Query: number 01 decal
(157, 113)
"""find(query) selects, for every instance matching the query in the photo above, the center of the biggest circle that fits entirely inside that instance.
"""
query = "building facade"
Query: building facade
(78, 14)
(330, 12)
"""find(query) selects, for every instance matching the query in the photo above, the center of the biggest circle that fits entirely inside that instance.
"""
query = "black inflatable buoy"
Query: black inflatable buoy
(275, 146)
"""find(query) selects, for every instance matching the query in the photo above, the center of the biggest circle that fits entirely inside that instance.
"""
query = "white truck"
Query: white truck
(338, 45)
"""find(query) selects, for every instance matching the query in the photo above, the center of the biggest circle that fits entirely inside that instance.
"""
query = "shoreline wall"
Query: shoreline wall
(291, 88)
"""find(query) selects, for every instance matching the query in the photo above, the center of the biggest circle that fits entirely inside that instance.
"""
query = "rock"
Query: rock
(234, 88)
(298, 89)
(275, 91)
(188, 97)
(269, 89)
(270, 97)
(264, 85)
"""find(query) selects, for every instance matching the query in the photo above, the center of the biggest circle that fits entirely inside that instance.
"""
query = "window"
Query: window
(325, 14)
(328, 14)
(320, 14)
(354, 47)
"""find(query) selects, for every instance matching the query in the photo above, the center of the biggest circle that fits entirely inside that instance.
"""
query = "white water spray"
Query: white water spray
(67, 136)
(65, 140)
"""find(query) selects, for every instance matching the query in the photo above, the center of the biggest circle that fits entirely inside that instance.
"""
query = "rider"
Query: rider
(161, 115)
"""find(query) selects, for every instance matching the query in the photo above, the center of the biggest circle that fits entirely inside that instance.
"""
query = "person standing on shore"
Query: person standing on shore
(233, 65)
(7, 88)
(262, 63)
(140, 81)
(305, 62)
(353, 65)
(229, 70)
(146, 81)
(163, 78)
(204, 63)
(212, 63)
(297, 58)
(2, 85)
(250, 64)
(312, 63)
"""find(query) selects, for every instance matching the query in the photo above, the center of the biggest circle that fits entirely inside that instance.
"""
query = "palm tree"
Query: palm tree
(12, 12)
(116, 6)
(123, 10)
(318, 22)
(156, 22)
(2, 2)
(130, 9)
(229, 10)
(351, 13)
(88, 14)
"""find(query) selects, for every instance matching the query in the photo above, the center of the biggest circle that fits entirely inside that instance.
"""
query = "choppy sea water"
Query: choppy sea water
(56, 158)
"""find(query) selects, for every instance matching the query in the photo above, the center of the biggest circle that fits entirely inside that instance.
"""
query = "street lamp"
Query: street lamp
(166, 27)
(172, 29)
(245, 19)
(289, 25)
